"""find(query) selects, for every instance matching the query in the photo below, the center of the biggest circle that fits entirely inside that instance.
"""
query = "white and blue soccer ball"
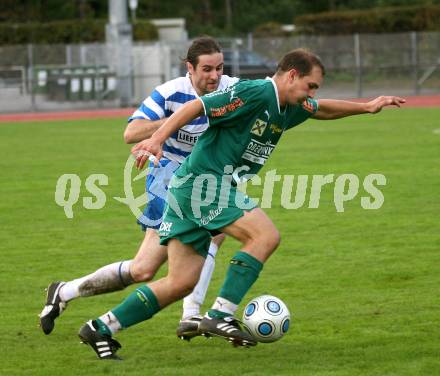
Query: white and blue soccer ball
(266, 318)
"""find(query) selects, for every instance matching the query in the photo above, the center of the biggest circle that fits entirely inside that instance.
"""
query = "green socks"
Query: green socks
(242, 273)
(139, 306)
(142, 304)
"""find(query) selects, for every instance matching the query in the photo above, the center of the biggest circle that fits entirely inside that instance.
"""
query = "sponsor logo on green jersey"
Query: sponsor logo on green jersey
(259, 127)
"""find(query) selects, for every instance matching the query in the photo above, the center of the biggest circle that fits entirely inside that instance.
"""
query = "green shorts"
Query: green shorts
(194, 215)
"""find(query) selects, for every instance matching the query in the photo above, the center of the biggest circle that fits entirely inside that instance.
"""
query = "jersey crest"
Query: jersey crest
(259, 127)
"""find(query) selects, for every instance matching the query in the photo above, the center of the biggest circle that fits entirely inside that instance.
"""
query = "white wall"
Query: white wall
(151, 67)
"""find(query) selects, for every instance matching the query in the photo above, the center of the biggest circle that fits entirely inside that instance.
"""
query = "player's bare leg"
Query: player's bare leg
(150, 257)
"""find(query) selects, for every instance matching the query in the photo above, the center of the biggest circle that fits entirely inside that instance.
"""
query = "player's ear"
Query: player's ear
(190, 67)
(293, 74)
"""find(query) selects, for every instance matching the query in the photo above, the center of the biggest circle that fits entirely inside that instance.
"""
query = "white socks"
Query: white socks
(109, 278)
(224, 305)
(111, 321)
(192, 302)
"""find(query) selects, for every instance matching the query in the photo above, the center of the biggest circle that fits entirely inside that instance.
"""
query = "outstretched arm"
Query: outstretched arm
(153, 145)
(335, 109)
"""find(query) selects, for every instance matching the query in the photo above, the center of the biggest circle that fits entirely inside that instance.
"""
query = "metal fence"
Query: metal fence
(363, 65)
(43, 77)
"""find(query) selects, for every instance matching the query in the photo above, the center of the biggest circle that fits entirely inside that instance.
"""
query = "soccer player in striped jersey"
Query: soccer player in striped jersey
(204, 62)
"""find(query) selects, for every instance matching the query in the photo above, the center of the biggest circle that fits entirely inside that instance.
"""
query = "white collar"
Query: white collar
(276, 93)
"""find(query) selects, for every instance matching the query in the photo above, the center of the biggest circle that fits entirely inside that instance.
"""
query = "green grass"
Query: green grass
(362, 285)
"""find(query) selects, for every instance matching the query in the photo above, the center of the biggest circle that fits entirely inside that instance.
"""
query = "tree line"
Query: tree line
(73, 21)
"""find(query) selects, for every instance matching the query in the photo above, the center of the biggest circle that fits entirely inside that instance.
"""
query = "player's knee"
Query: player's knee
(272, 239)
(141, 273)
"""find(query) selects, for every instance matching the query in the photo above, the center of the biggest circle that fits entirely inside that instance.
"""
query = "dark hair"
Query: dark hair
(201, 46)
(302, 60)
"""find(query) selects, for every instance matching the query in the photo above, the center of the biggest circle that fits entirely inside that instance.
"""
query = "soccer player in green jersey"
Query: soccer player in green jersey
(245, 123)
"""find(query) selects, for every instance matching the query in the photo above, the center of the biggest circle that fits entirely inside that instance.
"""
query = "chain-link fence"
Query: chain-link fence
(364, 65)
(43, 77)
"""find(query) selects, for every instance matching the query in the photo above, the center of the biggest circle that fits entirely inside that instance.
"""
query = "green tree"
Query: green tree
(216, 17)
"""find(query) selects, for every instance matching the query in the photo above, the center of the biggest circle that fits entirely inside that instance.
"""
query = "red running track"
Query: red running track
(66, 115)
(419, 101)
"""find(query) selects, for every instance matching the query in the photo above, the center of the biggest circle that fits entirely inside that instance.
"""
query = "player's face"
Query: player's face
(205, 77)
(304, 87)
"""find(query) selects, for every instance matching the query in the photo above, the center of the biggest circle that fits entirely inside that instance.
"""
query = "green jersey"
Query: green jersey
(245, 124)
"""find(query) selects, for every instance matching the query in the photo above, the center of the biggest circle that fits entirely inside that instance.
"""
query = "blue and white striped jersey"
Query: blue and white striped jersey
(164, 101)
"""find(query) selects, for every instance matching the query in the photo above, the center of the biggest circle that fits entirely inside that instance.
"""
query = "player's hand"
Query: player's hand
(375, 105)
(147, 150)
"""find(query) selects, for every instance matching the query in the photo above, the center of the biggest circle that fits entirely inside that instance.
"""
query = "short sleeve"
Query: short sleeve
(302, 112)
(152, 108)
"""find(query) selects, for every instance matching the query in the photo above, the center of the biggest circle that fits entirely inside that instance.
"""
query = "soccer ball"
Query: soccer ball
(266, 318)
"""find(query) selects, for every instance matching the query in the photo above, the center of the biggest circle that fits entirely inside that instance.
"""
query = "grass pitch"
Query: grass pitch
(361, 285)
